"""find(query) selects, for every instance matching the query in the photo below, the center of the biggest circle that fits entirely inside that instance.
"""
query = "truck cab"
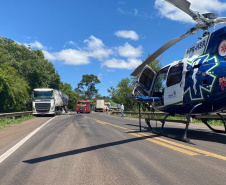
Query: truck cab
(83, 106)
(48, 101)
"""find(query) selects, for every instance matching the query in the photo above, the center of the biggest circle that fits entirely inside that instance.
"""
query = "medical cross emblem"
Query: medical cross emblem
(194, 86)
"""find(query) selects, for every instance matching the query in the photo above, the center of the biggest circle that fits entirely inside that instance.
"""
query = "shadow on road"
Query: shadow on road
(82, 150)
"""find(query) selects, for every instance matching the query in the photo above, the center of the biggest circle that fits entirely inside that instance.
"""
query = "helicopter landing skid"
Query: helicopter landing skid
(161, 132)
(205, 121)
(186, 122)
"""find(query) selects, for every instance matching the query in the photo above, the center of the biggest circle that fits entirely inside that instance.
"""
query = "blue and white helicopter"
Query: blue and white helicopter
(194, 85)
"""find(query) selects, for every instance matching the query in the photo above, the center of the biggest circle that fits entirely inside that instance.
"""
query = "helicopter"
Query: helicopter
(193, 85)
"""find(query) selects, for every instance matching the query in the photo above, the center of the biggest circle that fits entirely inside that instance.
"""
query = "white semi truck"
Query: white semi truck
(99, 105)
(48, 101)
(113, 106)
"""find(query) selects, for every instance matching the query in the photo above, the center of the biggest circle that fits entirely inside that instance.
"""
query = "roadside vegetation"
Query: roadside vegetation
(23, 69)
(7, 122)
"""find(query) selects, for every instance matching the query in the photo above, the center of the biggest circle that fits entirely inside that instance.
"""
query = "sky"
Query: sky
(107, 38)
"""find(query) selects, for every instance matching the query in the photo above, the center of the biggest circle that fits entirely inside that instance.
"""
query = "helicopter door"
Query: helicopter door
(173, 93)
(145, 82)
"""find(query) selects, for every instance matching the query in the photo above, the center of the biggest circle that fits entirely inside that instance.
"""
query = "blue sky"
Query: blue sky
(105, 38)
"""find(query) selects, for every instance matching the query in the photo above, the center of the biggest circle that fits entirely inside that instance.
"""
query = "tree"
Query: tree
(21, 70)
(105, 98)
(30, 64)
(13, 89)
(122, 93)
(87, 86)
(112, 91)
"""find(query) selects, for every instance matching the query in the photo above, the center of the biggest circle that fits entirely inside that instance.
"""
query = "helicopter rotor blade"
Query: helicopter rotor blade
(221, 19)
(162, 49)
(157, 53)
(184, 5)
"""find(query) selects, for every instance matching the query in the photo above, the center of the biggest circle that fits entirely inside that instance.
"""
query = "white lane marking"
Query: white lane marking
(20, 143)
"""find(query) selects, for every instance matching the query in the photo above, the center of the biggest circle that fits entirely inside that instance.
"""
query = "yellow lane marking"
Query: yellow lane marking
(163, 142)
(167, 145)
(190, 148)
(101, 122)
(150, 139)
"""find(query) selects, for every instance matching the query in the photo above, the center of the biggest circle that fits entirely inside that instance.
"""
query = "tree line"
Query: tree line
(23, 69)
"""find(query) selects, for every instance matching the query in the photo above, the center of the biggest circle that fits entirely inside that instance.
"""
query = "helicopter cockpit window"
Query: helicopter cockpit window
(146, 79)
(175, 75)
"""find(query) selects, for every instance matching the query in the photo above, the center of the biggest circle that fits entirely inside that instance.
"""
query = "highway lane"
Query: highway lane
(102, 149)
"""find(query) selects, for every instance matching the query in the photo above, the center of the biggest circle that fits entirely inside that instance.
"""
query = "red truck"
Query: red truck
(83, 106)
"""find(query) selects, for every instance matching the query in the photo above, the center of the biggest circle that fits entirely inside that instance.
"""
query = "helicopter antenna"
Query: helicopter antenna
(199, 36)
(204, 21)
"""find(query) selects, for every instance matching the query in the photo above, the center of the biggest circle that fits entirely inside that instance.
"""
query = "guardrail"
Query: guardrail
(14, 114)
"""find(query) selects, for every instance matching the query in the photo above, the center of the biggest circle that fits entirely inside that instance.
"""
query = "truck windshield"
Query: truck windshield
(43, 94)
(83, 103)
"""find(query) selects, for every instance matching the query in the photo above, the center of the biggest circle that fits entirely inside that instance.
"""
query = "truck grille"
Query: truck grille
(42, 107)
(81, 108)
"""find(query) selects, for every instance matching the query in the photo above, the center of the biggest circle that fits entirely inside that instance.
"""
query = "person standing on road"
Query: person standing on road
(122, 109)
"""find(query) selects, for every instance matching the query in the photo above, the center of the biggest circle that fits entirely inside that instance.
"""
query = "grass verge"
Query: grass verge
(7, 122)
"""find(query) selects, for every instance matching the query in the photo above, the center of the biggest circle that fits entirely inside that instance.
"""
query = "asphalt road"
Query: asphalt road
(101, 149)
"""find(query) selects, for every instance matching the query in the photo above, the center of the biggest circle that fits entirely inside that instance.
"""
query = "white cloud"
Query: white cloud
(135, 12)
(129, 51)
(110, 70)
(73, 57)
(127, 34)
(69, 56)
(49, 56)
(35, 44)
(171, 12)
(99, 76)
(96, 48)
(121, 64)
(72, 43)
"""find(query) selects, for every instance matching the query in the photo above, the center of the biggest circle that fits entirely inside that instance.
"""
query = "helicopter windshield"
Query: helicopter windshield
(160, 82)
(175, 75)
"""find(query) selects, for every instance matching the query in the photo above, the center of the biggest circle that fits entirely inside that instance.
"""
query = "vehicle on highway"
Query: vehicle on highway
(83, 106)
(113, 106)
(48, 101)
(99, 106)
